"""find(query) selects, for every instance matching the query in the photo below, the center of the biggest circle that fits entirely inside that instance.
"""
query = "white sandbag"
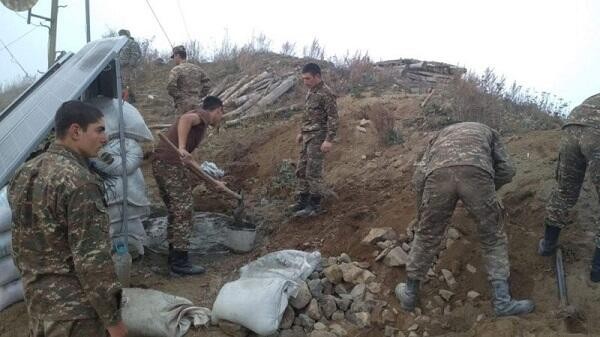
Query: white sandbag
(10, 294)
(133, 212)
(136, 234)
(256, 303)
(110, 161)
(5, 244)
(151, 313)
(135, 127)
(293, 265)
(5, 212)
(8, 270)
(136, 189)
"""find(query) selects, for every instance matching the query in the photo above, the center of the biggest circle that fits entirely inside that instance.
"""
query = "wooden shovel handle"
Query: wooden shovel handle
(195, 168)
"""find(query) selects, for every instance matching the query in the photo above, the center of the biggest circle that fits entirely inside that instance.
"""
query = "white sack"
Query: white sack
(8, 270)
(135, 232)
(5, 212)
(151, 313)
(11, 293)
(5, 244)
(293, 265)
(136, 189)
(256, 303)
(135, 127)
(112, 150)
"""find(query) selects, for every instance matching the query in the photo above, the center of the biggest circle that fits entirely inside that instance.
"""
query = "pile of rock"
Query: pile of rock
(341, 296)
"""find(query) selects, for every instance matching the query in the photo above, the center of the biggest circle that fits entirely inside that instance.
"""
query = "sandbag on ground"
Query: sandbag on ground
(11, 293)
(151, 313)
(8, 270)
(5, 244)
(5, 212)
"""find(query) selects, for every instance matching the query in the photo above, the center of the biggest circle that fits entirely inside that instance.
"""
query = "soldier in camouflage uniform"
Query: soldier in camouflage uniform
(579, 150)
(130, 57)
(174, 182)
(188, 83)
(60, 233)
(465, 161)
(319, 127)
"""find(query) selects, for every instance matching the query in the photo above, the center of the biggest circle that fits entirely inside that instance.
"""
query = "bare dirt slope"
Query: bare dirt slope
(372, 184)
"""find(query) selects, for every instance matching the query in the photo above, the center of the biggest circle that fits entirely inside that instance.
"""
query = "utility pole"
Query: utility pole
(52, 33)
(87, 21)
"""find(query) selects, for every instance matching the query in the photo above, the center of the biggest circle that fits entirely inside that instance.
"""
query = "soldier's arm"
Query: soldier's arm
(418, 179)
(172, 88)
(90, 246)
(206, 85)
(503, 166)
(330, 106)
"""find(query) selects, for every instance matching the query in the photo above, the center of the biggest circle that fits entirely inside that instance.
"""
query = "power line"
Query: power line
(184, 22)
(19, 38)
(15, 59)
(159, 24)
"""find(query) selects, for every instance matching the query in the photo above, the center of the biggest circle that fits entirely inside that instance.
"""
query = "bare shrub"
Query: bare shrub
(11, 90)
(288, 49)
(194, 51)
(314, 51)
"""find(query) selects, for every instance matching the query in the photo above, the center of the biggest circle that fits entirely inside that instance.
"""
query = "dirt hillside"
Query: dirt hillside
(370, 184)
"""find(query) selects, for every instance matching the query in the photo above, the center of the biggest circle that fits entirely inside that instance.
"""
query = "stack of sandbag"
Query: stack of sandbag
(109, 165)
(259, 297)
(11, 287)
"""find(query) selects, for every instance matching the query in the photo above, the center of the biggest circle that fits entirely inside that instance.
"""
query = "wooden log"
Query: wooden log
(254, 97)
(218, 89)
(233, 88)
(244, 88)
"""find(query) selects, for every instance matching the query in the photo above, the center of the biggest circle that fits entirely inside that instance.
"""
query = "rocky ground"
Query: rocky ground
(364, 237)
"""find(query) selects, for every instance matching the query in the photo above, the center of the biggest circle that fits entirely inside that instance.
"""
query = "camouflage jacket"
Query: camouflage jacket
(188, 84)
(131, 54)
(60, 239)
(321, 111)
(587, 113)
(471, 144)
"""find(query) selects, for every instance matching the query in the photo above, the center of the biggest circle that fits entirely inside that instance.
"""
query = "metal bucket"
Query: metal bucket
(240, 239)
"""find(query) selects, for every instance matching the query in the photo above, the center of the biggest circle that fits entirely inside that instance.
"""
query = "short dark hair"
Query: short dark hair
(75, 112)
(211, 102)
(311, 68)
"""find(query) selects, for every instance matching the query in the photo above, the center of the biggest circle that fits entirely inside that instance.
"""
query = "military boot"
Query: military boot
(408, 294)
(504, 305)
(301, 203)
(595, 272)
(547, 246)
(313, 207)
(180, 264)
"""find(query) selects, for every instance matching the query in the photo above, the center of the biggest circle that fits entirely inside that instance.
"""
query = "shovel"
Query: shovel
(194, 167)
(566, 310)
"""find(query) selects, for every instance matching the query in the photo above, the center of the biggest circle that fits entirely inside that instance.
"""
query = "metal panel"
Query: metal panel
(26, 122)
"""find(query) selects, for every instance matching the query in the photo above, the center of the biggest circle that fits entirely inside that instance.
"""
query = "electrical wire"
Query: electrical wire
(19, 38)
(187, 32)
(159, 24)
(15, 59)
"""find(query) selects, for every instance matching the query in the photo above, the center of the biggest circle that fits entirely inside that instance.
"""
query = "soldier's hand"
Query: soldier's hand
(118, 330)
(299, 138)
(184, 155)
(326, 146)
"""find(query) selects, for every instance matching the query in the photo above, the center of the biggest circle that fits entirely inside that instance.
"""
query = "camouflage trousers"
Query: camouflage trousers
(128, 78)
(579, 151)
(443, 188)
(175, 189)
(76, 328)
(309, 173)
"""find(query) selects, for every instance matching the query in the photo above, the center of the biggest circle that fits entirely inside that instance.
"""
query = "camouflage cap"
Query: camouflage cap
(178, 50)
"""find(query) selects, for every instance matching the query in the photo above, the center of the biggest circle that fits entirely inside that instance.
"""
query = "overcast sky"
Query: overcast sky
(551, 46)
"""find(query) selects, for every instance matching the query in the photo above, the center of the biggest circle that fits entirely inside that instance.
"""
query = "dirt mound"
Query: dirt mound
(370, 180)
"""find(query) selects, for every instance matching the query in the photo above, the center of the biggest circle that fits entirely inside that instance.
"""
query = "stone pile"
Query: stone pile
(340, 297)
(417, 76)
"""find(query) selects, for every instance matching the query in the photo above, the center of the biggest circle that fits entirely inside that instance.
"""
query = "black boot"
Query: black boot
(503, 303)
(595, 272)
(549, 243)
(300, 204)
(312, 208)
(408, 294)
(179, 263)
